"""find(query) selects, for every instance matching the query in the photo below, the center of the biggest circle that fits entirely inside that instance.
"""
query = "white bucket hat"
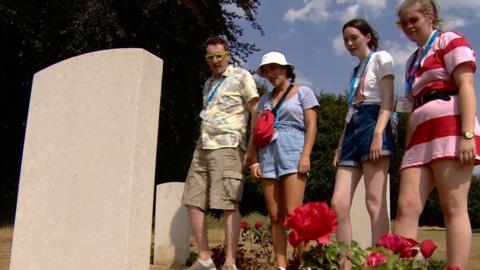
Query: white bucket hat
(273, 58)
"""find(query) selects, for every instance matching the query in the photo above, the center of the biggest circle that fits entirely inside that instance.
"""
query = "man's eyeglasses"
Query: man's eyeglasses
(210, 56)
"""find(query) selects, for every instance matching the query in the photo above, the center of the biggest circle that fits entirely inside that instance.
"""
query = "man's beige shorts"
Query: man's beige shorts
(215, 179)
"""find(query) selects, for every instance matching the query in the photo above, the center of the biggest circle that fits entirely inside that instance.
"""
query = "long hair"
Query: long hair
(365, 28)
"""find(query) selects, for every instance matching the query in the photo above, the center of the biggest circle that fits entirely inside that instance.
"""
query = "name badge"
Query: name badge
(404, 106)
(350, 113)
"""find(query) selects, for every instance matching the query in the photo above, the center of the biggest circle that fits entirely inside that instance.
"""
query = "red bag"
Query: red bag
(265, 124)
(264, 127)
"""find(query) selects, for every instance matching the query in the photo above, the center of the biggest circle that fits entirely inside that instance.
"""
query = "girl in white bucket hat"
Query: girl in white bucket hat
(282, 166)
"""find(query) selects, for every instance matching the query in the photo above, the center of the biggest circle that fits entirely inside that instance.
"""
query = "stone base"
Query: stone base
(156, 267)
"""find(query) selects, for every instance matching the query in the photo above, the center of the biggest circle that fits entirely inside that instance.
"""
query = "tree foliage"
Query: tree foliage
(330, 123)
(36, 34)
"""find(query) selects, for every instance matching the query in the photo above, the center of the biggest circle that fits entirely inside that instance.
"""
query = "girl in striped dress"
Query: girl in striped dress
(442, 143)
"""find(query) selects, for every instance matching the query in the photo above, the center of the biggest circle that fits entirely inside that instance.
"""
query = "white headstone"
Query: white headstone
(86, 186)
(359, 217)
(172, 228)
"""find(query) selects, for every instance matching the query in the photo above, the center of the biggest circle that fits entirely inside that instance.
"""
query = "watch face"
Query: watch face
(468, 134)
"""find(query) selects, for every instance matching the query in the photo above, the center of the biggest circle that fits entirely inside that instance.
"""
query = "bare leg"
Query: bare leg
(232, 233)
(453, 182)
(199, 228)
(346, 182)
(415, 186)
(272, 195)
(293, 186)
(375, 178)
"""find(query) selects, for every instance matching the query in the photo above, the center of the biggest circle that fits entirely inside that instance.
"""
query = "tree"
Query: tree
(36, 34)
(474, 202)
(330, 123)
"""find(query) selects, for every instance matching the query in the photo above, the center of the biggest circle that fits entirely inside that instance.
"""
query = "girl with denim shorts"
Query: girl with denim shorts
(282, 166)
(367, 141)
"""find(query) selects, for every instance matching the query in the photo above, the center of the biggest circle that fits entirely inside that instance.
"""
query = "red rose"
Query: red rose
(294, 238)
(375, 258)
(258, 224)
(244, 225)
(427, 248)
(451, 268)
(311, 221)
(403, 246)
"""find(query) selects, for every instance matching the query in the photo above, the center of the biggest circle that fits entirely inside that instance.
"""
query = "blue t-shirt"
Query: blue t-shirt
(291, 110)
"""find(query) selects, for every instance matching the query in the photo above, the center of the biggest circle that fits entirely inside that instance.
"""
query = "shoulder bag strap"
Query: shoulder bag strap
(274, 110)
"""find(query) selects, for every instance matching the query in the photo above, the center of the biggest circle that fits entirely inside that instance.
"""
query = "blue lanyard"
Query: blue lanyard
(355, 81)
(215, 89)
(412, 69)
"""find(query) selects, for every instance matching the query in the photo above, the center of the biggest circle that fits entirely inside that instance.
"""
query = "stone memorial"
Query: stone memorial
(172, 227)
(85, 199)
(359, 217)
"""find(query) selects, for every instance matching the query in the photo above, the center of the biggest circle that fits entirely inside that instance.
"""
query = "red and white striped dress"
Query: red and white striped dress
(436, 126)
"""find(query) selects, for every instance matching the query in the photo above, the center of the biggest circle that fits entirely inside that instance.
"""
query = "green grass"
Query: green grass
(253, 217)
(218, 223)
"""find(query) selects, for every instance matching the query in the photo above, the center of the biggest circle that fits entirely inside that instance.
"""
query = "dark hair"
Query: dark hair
(290, 74)
(365, 28)
(214, 41)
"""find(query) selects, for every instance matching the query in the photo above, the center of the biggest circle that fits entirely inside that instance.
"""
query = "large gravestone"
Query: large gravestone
(87, 180)
(172, 227)
(360, 218)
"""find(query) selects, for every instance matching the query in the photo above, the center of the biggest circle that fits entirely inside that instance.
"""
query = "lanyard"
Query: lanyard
(355, 80)
(215, 89)
(412, 69)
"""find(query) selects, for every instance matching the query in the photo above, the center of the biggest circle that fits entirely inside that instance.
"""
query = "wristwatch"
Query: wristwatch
(468, 135)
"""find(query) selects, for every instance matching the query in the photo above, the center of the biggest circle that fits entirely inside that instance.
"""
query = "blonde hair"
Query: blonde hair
(423, 6)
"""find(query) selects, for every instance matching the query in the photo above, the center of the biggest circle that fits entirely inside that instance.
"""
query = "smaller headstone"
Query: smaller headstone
(172, 228)
(359, 217)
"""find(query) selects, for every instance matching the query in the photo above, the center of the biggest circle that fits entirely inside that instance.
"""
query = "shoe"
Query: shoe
(229, 267)
(301, 267)
(199, 266)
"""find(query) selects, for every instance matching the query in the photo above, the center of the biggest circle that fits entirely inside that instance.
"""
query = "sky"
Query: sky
(308, 32)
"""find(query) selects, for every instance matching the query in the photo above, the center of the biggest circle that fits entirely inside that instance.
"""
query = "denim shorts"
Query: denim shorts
(359, 134)
(282, 155)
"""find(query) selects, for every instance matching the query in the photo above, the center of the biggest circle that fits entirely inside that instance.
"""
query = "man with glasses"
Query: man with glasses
(215, 179)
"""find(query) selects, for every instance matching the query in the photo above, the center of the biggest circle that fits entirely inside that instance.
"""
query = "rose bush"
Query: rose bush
(401, 253)
(315, 221)
(254, 252)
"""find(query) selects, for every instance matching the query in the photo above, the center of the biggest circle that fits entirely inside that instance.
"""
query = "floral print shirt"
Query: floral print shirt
(225, 111)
